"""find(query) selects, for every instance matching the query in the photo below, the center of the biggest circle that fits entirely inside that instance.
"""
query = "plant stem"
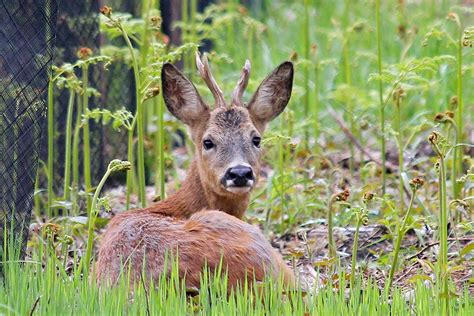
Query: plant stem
(443, 225)
(187, 58)
(130, 175)
(281, 170)
(306, 69)
(443, 231)
(67, 154)
(401, 233)
(161, 146)
(355, 247)
(86, 140)
(331, 243)
(348, 81)
(147, 6)
(398, 130)
(37, 200)
(455, 185)
(382, 107)
(316, 105)
(50, 146)
(193, 35)
(91, 221)
(113, 166)
(458, 151)
(443, 222)
(139, 123)
(75, 156)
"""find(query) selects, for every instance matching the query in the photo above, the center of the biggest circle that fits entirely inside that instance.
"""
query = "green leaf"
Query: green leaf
(467, 249)
(419, 277)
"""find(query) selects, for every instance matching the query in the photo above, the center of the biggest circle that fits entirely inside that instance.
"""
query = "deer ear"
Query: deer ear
(272, 95)
(181, 97)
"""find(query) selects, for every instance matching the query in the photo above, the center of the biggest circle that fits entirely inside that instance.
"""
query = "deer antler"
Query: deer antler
(205, 71)
(241, 85)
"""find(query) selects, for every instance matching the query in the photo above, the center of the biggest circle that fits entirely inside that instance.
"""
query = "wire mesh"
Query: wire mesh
(28, 31)
(77, 27)
(27, 34)
(118, 89)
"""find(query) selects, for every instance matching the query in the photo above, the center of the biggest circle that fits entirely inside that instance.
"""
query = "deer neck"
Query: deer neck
(195, 196)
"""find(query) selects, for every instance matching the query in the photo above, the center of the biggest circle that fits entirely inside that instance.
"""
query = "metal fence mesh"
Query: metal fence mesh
(30, 30)
(77, 26)
(27, 34)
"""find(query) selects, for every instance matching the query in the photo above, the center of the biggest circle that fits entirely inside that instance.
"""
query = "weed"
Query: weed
(415, 185)
(114, 166)
(438, 143)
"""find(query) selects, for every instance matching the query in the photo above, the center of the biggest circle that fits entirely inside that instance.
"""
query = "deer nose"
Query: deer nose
(240, 175)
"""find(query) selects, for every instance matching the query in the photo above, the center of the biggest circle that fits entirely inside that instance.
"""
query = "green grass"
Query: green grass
(29, 288)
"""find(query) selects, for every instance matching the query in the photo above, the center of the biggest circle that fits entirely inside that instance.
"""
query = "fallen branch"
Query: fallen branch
(354, 140)
(434, 244)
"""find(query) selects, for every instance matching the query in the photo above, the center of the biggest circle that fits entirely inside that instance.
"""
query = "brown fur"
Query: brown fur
(202, 239)
(201, 222)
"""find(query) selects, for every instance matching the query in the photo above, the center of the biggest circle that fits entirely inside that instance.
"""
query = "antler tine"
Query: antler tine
(205, 71)
(241, 85)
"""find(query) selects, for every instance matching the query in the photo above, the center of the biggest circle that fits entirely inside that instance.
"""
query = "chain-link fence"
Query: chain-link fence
(27, 34)
(27, 31)
(77, 27)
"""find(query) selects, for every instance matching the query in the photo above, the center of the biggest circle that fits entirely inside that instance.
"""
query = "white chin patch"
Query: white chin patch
(239, 189)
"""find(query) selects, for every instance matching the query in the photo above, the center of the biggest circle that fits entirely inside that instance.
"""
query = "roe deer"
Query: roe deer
(201, 223)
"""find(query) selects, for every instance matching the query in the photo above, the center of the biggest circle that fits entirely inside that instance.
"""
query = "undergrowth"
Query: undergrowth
(378, 133)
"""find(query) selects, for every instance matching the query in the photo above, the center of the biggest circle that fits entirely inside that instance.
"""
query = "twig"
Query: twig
(404, 274)
(434, 244)
(376, 231)
(348, 133)
(35, 304)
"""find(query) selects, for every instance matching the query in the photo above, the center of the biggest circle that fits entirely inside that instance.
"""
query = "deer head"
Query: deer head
(227, 137)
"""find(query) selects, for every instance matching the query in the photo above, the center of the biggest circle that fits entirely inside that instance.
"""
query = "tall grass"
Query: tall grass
(35, 289)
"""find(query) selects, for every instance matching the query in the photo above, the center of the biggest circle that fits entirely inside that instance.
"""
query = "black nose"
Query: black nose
(239, 175)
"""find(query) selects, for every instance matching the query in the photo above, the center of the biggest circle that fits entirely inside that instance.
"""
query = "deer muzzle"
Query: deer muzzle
(238, 179)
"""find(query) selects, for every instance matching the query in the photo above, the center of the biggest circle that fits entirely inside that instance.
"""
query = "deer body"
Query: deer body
(201, 223)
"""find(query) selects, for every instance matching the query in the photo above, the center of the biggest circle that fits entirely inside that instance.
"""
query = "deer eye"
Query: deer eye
(256, 141)
(208, 144)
